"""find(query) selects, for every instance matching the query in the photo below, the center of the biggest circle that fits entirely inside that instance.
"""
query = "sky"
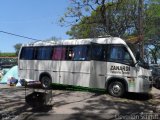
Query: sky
(36, 19)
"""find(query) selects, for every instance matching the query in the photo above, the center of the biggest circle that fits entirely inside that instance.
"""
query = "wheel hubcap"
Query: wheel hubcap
(116, 89)
(46, 83)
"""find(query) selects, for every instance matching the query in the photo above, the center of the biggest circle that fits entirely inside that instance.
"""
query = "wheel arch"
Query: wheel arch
(44, 74)
(122, 80)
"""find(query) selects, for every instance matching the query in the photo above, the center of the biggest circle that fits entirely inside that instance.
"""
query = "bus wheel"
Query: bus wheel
(46, 82)
(157, 83)
(116, 89)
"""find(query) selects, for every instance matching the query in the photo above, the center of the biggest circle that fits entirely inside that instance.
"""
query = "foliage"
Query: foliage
(152, 29)
(152, 20)
(83, 30)
(17, 48)
(115, 18)
(93, 18)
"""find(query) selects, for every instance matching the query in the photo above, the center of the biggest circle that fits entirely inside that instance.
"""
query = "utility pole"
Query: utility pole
(140, 26)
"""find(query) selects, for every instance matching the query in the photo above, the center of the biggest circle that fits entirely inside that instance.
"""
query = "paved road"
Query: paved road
(73, 105)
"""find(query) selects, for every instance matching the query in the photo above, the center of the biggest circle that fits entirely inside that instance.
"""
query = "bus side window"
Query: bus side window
(59, 53)
(44, 53)
(81, 53)
(99, 52)
(69, 53)
(27, 53)
(78, 53)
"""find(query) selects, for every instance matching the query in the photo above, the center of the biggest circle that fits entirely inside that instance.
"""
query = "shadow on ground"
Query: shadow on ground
(97, 105)
(130, 96)
(86, 103)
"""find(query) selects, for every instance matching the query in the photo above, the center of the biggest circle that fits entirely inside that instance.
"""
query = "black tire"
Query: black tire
(116, 89)
(157, 83)
(46, 82)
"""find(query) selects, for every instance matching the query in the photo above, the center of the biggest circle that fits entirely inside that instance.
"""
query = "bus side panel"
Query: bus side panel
(125, 72)
(26, 69)
(82, 73)
(81, 79)
(66, 78)
(75, 73)
(66, 72)
(98, 74)
(42, 66)
(55, 71)
(143, 80)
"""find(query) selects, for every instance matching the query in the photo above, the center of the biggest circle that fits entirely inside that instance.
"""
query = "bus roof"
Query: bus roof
(108, 40)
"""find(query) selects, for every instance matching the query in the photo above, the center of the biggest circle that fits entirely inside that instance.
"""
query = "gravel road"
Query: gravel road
(73, 105)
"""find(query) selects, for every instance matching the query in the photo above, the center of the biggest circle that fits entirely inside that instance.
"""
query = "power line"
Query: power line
(19, 35)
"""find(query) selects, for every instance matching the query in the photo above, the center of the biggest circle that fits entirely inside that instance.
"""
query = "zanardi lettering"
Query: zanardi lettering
(119, 69)
(122, 68)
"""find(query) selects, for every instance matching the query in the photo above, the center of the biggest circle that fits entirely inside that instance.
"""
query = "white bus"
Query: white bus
(96, 63)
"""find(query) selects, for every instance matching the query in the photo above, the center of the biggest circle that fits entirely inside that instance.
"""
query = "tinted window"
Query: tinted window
(80, 53)
(119, 53)
(69, 53)
(59, 53)
(44, 53)
(27, 53)
(77, 53)
(99, 52)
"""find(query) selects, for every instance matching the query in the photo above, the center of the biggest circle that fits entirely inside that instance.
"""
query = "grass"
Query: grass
(77, 88)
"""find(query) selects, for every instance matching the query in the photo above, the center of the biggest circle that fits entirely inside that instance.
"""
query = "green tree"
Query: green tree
(84, 30)
(152, 29)
(93, 18)
(112, 18)
(152, 20)
(17, 48)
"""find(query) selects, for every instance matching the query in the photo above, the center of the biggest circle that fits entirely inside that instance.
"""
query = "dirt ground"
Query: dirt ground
(73, 105)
